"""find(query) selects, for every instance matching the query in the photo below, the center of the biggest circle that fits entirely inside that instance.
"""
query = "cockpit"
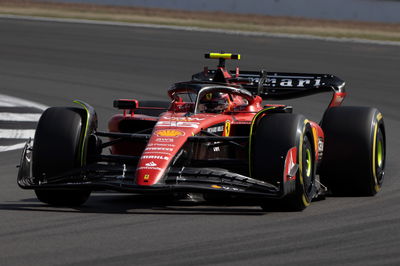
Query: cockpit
(208, 98)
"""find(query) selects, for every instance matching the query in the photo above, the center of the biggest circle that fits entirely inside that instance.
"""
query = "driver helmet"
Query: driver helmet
(214, 102)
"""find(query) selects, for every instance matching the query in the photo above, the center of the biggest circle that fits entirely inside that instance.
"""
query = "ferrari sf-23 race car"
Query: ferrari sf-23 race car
(214, 138)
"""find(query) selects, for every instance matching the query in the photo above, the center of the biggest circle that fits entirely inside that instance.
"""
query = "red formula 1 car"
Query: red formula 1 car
(214, 137)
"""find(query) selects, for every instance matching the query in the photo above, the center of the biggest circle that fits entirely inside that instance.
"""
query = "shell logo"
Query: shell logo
(169, 133)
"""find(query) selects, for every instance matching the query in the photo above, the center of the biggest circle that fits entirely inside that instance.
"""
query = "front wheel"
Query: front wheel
(57, 149)
(276, 138)
(305, 189)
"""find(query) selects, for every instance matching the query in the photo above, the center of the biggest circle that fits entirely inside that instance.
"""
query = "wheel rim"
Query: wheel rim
(379, 155)
(307, 172)
(308, 162)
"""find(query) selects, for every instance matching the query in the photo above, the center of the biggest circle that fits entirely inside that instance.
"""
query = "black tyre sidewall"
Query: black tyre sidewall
(347, 166)
(57, 142)
(274, 136)
(57, 149)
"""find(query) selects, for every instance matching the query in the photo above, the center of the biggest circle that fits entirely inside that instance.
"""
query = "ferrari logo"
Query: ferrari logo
(208, 96)
(146, 177)
(227, 130)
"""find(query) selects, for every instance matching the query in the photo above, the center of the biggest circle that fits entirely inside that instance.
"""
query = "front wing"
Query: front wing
(119, 177)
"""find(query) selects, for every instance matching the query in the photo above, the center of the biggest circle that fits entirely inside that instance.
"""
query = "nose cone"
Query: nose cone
(163, 145)
(169, 135)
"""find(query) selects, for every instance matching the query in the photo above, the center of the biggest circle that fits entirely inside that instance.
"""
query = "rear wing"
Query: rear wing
(282, 85)
(273, 85)
(278, 85)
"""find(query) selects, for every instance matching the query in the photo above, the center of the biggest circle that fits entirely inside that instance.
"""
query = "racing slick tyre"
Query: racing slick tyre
(56, 149)
(354, 152)
(159, 107)
(274, 136)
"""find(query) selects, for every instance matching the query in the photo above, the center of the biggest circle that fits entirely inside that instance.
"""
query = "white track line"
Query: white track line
(17, 133)
(19, 117)
(6, 100)
(6, 104)
(12, 147)
(10, 101)
(197, 29)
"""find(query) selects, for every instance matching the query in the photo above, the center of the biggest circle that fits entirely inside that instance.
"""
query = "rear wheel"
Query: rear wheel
(275, 136)
(57, 149)
(355, 150)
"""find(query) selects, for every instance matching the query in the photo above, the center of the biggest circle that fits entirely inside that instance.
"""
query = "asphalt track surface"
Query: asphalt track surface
(54, 63)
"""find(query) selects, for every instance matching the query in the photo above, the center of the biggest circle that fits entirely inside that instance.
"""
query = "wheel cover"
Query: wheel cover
(379, 158)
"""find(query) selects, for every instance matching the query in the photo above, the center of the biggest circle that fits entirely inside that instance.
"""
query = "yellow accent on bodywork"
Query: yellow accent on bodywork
(223, 56)
(227, 129)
